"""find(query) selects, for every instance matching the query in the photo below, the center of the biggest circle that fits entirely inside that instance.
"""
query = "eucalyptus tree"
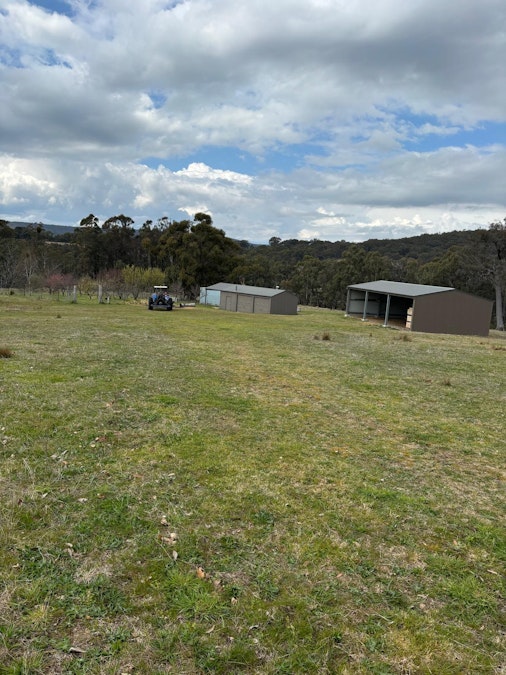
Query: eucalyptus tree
(215, 255)
(6, 231)
(90, 253)
(9, 259)
(305, 282)
(492, 253)
(197, 253)
(153, 252)
(456, 268)
(120, 241)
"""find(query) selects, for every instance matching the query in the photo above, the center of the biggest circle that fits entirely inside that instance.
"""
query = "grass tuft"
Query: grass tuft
(6, 353)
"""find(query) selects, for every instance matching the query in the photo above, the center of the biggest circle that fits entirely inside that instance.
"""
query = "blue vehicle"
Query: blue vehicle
(160, 299)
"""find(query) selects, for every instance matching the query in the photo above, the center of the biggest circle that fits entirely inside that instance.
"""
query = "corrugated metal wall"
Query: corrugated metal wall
(452, 312)
(284, 303)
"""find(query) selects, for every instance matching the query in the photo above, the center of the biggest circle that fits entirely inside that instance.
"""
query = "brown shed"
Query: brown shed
(255, 299)
(427, 309)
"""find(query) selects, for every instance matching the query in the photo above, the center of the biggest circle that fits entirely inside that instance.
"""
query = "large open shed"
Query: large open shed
(252, 299)
(427, 309)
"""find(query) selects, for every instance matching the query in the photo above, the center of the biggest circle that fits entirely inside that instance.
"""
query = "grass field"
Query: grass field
(208, 492)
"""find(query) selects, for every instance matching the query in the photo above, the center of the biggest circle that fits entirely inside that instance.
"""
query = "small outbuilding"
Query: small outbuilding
(252, 299)
(209, 295)
(418, 307)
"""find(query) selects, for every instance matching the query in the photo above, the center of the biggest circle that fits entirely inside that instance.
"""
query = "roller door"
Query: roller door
(245, 303)
(262, 305)
(230, 303)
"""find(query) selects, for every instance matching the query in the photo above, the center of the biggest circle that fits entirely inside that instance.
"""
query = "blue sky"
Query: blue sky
(297, 119)
(60, 6)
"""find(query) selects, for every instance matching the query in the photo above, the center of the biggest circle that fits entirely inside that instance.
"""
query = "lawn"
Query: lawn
(199, 491)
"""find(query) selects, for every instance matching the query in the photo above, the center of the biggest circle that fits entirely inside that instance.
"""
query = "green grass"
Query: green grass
(208, 492)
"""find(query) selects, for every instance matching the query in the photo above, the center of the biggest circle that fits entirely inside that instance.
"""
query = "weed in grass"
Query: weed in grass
(263, 517)
(326, 335)
(188, 595)
(233, 656)
(28, 664)
(117, 638)
(165, 643)
(267, 587)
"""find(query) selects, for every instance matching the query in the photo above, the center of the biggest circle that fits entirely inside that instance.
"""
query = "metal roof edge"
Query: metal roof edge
(247, 290)
(400, 288)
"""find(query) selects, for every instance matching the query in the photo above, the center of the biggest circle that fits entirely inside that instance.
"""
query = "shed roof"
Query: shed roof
(400, 288)
(246, 290)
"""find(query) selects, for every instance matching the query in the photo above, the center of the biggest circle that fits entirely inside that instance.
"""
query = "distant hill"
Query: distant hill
(55, 229)
(422, 247)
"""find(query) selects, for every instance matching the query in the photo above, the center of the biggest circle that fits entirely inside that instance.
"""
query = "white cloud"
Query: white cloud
(326, 100)
(203, 172)
(307, 235)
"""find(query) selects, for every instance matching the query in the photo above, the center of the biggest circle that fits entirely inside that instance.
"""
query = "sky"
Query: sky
(298, 119)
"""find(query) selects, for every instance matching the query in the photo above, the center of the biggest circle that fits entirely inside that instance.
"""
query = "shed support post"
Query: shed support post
(387, 312)
(366, 300)
(347, 303)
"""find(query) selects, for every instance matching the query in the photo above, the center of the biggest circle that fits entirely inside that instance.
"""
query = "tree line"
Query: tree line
(188, 254)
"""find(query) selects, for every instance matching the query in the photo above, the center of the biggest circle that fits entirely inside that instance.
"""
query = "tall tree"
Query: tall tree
(173, 247)
(456, 268)
(492, 252)
(9, 262)
(119, 241)
(306, 281)
(6, 232)
(151, 252)
(198, 253)
(90, 252)
(89, 221)
(215, 254)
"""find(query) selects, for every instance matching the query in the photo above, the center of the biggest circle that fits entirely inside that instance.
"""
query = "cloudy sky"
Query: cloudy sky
(328, 119)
